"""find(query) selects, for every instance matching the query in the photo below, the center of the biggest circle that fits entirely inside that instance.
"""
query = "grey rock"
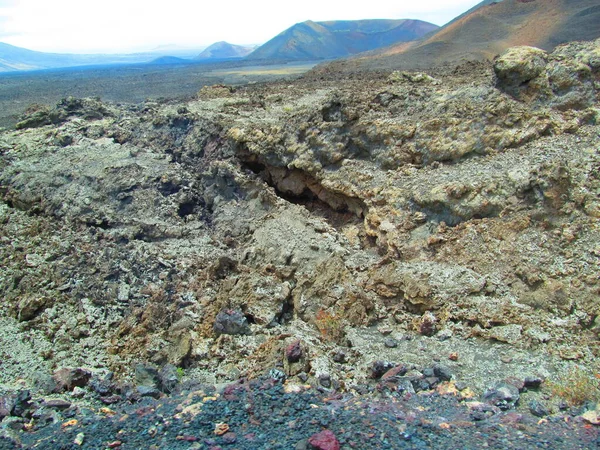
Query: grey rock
(405, 386)
(303, 377)
(325, 380)
(148, 391)
(379, 368)
(168, 378)
(147, 376)
(538, 409)
(231, 321)
(442, 372)
(44, 382)
(533, 382)
(339, 356)
(66, 379)
(103, 385)
(518, 66)
(57, 404)
(277, 375)
(22, 403)
(7, 404)
(390, 343)
(502, 395)
(428, 372)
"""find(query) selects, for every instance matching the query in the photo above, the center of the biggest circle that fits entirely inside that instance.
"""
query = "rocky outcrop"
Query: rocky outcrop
(312, 227)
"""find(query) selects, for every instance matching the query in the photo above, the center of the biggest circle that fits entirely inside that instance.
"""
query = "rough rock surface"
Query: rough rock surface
(454, 213)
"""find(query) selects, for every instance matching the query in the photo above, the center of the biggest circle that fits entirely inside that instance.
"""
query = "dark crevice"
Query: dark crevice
(169, 188)
(300, 188)
(186, 209)
(104, 224)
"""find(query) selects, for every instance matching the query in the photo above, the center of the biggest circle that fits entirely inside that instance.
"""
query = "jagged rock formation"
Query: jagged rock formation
(455, 207)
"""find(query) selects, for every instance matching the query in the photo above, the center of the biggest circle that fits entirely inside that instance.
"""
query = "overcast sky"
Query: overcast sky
(136, 25)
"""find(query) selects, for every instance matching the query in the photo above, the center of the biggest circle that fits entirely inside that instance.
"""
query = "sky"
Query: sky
(122, 26)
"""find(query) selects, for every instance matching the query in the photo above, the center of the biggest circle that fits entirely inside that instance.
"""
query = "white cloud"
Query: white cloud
(131, 25)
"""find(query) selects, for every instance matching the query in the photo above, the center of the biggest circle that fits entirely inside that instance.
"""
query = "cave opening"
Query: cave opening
(299, 188)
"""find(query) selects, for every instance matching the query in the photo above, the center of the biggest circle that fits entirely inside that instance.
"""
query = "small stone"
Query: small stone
(44, 382)
(445, 334)
(34, 260)
(591, 417)
(57, 404)
(78, 392)
(325, 440)
(229, 438)
(394, 373)
(507, 333)
(302, 445)
(325, 380)
(231, 321)
(378, 368)
(221, 428)
(66, 379)
(148, 391)
(506, 359)
(277, 375)
(533, 382)
(538, 409)
(516, 382)
(123, 294)
(303, 377)
(502, 395)
(21, 403)
(79, 439)
(428, 324)
(385, 330)
(168, 378)
(111, 399)
(147, 376)
(461, 385)
(390, 343)
(428, 372)
(442, 372)
(7, 404)
(339, 357)
(293, 352)
(453, 356)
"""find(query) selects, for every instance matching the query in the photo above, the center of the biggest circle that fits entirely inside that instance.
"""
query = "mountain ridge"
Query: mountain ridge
(224, 50)
(334, 39)
(487, 30)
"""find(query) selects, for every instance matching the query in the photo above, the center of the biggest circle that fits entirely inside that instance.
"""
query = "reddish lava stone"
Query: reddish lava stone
(325, 440)
(294, 352)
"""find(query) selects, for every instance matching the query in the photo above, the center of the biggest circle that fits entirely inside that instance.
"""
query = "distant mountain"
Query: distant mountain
(16, 58)
(491, 27)
(164, 60)
(325, 40)
(224, 50)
